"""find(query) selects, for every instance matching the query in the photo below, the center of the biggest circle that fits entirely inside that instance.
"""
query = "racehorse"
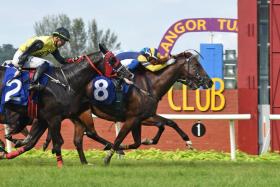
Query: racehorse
(157, 84)
(60, 99)
(135, 112)
(193, 82)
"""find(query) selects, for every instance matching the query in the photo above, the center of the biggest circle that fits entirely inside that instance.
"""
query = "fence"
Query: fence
(230, 117)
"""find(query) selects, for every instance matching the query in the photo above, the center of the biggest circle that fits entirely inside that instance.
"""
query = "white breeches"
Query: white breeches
(32, 62)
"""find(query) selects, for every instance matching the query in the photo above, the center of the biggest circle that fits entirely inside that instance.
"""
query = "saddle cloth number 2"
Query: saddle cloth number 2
(9, 95)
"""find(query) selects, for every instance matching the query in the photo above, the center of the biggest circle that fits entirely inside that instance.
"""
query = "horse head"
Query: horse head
(193, 74)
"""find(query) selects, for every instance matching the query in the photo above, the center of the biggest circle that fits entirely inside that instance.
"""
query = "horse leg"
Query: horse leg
(36, 132)
(55, 127)
(85, 119)
(153, 122)
(127, 126)
(24, 131)
(19, 126)
(160, 121)
(136, 134)
(183, 135)
(11, 139)
(20, 143)
(47, 141)
(78, 140)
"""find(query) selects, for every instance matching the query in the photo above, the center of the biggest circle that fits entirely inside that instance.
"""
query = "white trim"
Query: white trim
(208, 116)
(274, 116)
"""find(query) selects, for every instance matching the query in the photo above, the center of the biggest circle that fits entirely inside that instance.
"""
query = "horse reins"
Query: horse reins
(57, 81)
(92, 64)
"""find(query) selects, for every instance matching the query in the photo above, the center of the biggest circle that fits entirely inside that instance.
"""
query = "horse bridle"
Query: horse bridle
(196, 73)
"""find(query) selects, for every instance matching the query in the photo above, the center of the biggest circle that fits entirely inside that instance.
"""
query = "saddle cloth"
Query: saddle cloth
(15, 87)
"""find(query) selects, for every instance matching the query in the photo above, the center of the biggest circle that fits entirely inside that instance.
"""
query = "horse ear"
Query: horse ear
(187, 54)
(103, 48)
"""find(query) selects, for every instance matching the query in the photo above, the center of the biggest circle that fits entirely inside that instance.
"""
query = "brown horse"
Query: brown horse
(166, 78)
(85, 125)
(157, 84)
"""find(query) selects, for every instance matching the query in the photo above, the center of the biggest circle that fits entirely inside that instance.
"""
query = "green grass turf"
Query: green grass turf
(142, 168)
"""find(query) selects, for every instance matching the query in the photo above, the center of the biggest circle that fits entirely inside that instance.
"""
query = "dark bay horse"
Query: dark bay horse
(192, 68)
(157, 84)
(85, 124)
(57, 102)
(186, 65)
(194, 81)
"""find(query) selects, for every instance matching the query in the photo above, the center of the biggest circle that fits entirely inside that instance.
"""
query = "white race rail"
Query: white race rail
(274, 116)
(230, 117)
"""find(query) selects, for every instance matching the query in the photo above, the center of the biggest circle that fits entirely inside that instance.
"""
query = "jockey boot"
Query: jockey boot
(34, 84)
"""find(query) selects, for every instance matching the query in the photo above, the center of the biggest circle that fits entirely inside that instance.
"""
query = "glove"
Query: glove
(76, 59)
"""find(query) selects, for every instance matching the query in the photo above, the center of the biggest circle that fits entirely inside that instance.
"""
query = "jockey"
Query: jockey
(151, 59)
(29, 54)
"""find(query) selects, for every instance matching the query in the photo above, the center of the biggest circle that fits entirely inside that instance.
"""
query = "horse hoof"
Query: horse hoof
(147, 141)
(107, 161)
(189, 145)
(45, 147)
(120, 152)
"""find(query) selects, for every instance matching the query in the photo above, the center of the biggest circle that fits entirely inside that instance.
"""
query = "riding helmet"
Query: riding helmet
(62, 33)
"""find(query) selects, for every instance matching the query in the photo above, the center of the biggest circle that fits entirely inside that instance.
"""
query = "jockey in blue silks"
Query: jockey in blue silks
(150, 58)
